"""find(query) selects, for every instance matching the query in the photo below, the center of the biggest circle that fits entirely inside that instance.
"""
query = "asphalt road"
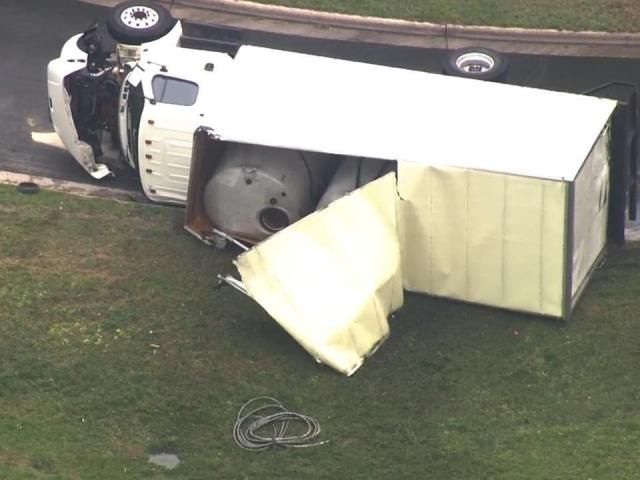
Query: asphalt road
(32, 32)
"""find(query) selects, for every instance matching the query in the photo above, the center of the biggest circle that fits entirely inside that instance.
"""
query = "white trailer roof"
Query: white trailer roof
(292, 100)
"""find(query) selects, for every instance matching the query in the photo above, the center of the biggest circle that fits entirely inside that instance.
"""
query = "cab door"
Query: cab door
(170, 116)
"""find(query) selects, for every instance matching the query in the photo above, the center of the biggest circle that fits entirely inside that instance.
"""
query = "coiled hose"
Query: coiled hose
(263, 422)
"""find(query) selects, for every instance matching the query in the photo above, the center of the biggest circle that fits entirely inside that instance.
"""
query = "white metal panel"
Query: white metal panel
(483, 237)
(332, 278)
(165, 145)
(188, 64)
(590, 208)
(166, 131)
(300, 101)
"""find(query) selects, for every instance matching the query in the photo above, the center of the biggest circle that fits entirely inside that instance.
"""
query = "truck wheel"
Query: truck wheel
(28, 188)
(476, 62)
(139, 21)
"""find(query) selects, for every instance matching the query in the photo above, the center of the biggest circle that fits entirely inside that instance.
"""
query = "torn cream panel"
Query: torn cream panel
(483, 237)
(332, 279)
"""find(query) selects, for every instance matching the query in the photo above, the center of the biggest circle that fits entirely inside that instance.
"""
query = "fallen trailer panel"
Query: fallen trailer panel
(332, 278)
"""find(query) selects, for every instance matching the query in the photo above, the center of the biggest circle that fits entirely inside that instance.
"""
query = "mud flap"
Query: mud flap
(332, 279)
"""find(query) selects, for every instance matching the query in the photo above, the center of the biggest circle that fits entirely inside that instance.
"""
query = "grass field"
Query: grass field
(604, 15)
(114, 344)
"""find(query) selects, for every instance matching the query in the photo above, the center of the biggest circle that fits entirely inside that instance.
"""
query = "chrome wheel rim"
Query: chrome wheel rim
(140, 17)
(475, 62)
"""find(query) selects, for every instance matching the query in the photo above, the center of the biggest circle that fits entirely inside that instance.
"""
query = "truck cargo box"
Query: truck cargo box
(501, 196)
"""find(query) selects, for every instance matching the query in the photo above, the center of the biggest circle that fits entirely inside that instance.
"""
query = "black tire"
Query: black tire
(28, 188)
(476, 62)
(154, 22)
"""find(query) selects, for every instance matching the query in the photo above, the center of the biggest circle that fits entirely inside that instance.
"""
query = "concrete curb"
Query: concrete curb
(308, 23)
(82, 189)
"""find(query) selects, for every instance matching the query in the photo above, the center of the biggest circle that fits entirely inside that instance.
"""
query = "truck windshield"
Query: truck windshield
(174, 90)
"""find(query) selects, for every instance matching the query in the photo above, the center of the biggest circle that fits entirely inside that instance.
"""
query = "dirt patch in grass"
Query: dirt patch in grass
(40, 265)
(14, 459)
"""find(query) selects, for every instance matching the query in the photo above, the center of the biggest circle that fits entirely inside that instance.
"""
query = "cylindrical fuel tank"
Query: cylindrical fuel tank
(353, 173)
(256, 191)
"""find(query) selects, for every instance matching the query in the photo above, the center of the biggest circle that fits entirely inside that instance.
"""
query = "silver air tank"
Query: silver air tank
(256, 191)
(353, 173)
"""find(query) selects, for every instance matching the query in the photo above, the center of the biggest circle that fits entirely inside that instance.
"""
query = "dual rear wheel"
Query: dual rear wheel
(476, 62)
(139, 21)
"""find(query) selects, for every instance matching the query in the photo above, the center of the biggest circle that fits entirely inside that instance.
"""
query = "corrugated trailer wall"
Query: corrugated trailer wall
(484, 237)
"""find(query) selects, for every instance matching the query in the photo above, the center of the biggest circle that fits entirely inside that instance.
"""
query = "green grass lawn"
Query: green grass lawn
(605, 15)
(114, 343)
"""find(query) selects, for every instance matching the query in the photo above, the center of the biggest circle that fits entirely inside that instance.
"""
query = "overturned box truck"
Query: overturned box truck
(349, 183)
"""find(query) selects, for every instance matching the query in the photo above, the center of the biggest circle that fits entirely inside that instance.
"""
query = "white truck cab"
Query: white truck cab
(139, 103)
(140, 106)
(165, 97)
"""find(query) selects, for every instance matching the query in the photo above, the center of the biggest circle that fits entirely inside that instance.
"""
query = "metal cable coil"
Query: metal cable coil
(261, 414)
